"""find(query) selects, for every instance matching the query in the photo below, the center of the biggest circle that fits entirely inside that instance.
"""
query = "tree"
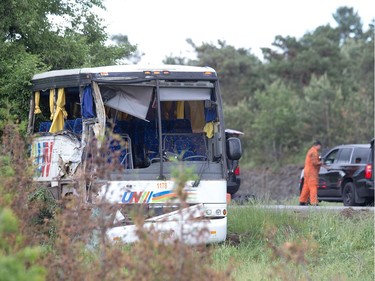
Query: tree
(322, 108)
(239, 71)
(276, 125)
(320, 84)
(64, 33)
(358, 70)
(240, 117)
(349, 23)
(17, 67)
(39, 35)
(316, 53)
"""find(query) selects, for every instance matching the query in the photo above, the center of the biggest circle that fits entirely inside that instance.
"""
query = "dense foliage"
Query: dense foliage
(320, 86)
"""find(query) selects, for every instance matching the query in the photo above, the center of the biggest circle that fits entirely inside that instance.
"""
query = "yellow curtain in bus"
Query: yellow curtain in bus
(60, 113)
(37, 99)
(52, 102)
(166, 110)
(197, 116)
(122, 115)
(180, 110)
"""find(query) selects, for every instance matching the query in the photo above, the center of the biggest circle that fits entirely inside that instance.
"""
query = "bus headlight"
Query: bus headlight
(215, 211)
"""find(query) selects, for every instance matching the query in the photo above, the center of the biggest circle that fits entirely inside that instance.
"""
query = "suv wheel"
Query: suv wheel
(348, 194)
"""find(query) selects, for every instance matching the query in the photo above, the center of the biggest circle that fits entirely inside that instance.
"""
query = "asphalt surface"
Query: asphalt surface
(313, 208)
(317, 208)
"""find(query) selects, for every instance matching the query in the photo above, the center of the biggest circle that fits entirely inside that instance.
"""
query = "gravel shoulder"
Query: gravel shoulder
(266, 184)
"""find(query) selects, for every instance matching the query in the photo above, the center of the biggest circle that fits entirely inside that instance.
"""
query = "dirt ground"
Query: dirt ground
(264, 184)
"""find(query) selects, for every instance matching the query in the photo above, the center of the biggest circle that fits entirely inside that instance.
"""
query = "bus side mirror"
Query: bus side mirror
(234, 149)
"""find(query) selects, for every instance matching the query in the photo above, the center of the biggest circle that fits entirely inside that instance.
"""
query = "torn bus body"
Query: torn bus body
(161, 116)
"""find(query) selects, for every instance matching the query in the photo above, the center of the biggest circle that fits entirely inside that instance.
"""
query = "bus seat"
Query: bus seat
(198, 144)
(151, 138)
(183, 147)
(121, 149)
(77, 128)
(179, 126)
(122, 127)
(45, 126)
(69, 124)
(187, 144)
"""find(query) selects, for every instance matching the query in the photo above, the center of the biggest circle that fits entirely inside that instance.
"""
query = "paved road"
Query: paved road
(317, 208)
(313, 208)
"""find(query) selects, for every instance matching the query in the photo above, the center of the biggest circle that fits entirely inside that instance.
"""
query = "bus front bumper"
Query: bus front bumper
(184, 226)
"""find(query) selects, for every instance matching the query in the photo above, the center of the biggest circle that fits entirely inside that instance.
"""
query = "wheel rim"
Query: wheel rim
(348, 196)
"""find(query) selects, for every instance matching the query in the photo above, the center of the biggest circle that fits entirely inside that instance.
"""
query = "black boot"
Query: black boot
(302, 203)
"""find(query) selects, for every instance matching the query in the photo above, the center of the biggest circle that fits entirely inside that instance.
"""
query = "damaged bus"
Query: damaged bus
(165, 116)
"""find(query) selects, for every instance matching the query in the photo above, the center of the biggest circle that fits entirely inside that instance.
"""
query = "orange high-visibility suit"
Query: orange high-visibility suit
(311, 177)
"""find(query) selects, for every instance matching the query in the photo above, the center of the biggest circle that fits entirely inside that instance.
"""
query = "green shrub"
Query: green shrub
(17, 262)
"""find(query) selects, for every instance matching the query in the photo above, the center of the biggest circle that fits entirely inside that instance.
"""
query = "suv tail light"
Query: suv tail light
(322, 184)
(368, 171)
(237, 171)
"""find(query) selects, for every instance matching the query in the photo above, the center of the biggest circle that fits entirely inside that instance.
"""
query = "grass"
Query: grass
(295, 201)
(287, 245)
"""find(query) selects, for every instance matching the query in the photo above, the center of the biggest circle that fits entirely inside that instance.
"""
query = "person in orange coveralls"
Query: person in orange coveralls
(311, 175)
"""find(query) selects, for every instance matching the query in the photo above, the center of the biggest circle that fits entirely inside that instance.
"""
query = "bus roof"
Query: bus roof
(121, 69)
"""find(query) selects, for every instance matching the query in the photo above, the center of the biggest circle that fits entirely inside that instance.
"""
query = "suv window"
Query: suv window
(330, 158)
(344, 156)
(360, 155)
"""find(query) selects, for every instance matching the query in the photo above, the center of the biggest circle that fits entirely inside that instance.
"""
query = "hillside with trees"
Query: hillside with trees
(320, 86)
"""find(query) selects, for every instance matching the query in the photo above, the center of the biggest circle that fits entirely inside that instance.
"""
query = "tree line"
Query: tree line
(319, 86)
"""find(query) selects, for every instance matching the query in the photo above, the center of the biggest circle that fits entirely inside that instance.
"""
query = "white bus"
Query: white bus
(161, 113)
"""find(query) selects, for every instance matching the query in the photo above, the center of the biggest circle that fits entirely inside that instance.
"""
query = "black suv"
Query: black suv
(363, 182)
(348, 175)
